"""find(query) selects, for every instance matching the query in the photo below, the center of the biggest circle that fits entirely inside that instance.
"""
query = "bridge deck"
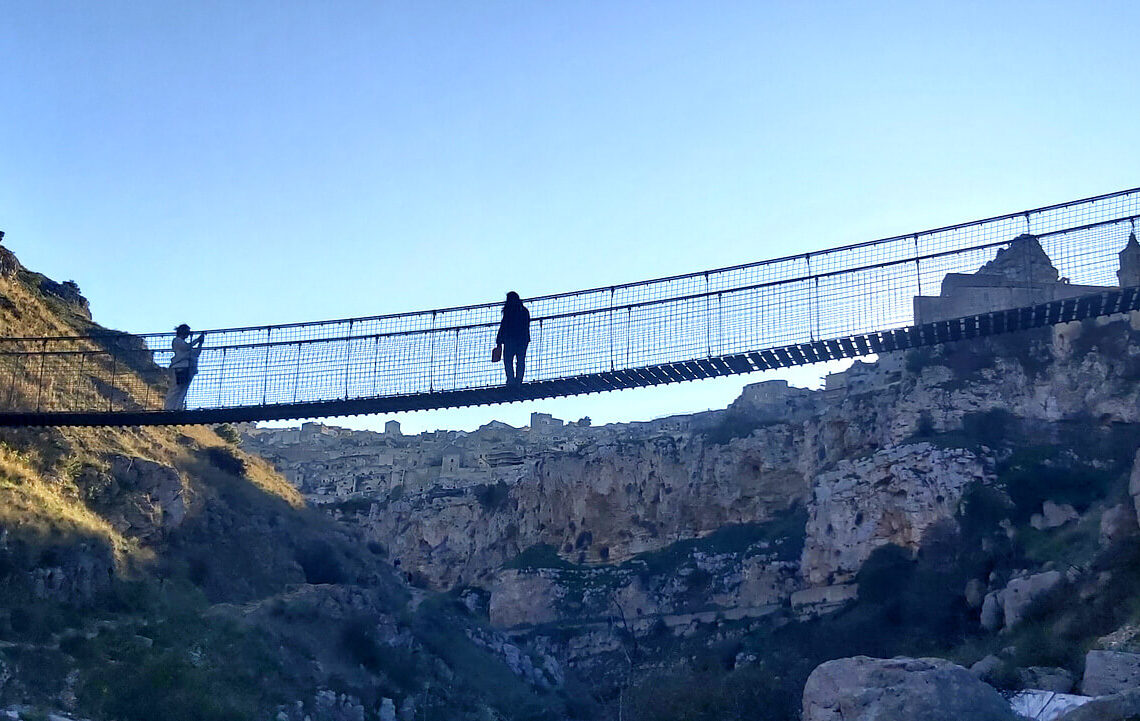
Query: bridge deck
(974, 326)
(843, 302)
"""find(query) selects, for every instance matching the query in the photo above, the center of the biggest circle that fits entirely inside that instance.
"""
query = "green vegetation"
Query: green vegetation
(492, 496)
(751, 693)
(142, 650)
(1035, 474)
(542, 555)
(228, 433)
(352, 505)
(731, 426)
(784, 536)
(482, 677)
(226, 461)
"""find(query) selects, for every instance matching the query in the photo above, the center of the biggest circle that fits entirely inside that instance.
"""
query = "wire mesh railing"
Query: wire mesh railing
(829, 294)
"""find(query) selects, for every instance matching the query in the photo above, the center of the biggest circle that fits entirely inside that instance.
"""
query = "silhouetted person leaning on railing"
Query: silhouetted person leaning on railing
(183, 366)
(514, 337)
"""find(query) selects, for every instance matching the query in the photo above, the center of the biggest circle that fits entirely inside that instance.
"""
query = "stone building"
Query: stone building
(1020, 275)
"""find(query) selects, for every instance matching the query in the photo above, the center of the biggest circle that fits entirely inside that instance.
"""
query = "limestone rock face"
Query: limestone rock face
(899, 689)
(457, 508)
(538, 670)
(523, 598)
(738, 585)
(1110, 672)
(77, 575)
(609, 500)
(892, 497)
(143, 499)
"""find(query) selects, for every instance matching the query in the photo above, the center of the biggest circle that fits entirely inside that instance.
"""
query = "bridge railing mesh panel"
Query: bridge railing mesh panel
(830, 294)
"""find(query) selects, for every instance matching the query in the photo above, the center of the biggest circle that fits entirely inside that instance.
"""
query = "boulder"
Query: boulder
(1046, 678)
(142, 498)
(1021, 592)
(1117, 707)
(899, 689)
(387, 710)
(1053, 516)
(987, 668)
(975, 593)
(1110, 672)
(992, 616)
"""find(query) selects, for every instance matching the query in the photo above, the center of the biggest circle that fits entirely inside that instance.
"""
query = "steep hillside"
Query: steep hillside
(164, 573)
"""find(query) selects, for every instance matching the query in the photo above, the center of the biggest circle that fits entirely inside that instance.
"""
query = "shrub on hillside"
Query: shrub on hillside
(321, 563)
(492, 496)
(228, 433)
(226, 460)
(746, 694)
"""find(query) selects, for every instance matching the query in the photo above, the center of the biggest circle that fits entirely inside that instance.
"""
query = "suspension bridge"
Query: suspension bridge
(843, 302)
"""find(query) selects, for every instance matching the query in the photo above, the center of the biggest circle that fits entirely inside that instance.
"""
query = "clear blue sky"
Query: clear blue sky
(235, 163)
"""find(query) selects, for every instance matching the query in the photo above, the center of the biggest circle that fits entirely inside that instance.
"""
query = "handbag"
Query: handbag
(496, 354)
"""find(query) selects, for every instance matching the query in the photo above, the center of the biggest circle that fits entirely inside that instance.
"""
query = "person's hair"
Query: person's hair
(513, 300)
(181, 327)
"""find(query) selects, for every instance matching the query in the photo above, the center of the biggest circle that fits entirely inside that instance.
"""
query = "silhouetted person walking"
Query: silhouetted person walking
(183, 366)
(514, 336)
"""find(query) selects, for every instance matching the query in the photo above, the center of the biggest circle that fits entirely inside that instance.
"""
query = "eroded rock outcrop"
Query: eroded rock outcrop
(892, 497)
(141, 498)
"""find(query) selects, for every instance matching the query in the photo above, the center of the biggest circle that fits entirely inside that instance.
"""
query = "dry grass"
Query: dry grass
(176, 447)
(43, 509)
(32, 315)
(258, 470)
(92, 380)
(39, 496)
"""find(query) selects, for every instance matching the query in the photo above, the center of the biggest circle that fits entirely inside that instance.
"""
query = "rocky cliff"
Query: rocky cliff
(963, 468)
(867, 458)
